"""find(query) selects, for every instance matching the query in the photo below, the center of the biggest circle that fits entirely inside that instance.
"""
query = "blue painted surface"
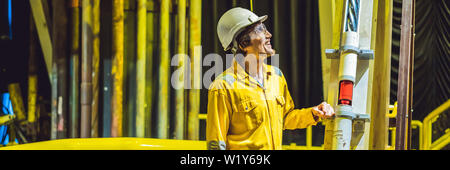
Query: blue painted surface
(6, 108)
(10, 18)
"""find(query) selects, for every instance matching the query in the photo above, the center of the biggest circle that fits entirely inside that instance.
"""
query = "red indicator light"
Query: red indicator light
(345, 92)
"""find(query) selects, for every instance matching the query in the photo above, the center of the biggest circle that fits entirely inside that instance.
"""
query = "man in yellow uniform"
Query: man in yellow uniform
(249, 104)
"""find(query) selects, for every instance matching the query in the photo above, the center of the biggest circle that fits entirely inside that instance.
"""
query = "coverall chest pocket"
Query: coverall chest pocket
(280, 106)
(281, 102)
(250, 114)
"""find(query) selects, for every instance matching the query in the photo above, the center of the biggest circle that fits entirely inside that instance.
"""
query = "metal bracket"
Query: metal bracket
(363, 54)
(358, 123)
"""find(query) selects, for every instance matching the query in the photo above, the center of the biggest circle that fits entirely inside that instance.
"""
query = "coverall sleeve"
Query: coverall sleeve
(218, 120)
(296, 118)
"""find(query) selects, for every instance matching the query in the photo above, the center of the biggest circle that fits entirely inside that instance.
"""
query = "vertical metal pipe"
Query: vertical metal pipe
(74, 70)
(59, 39)
(309, 137)
(117, 69)
(141, 64)
(179, 94)
(164, 68)
(195, 14)
(32, 82)
(105, 64)
(404, 92)
(86, 69)
(129, 69)
(411, 75)
(95, 66)
(54, 99)
(149, 67)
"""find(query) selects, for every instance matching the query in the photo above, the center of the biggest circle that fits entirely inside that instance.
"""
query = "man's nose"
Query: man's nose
(268, 34)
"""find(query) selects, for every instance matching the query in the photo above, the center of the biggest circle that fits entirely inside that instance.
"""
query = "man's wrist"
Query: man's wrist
(315, 117)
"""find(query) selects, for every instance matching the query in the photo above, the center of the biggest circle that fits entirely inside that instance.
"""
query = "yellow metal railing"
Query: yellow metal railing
(292, 146)
(425, 128)
(415, 124)
(428, 143)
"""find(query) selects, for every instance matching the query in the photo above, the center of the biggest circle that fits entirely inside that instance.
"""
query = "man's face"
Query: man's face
(260, 41)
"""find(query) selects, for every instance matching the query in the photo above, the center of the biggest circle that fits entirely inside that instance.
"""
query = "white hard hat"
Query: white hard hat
(233, 22)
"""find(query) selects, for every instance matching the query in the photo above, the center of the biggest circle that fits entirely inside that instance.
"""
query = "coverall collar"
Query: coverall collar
(241, 74)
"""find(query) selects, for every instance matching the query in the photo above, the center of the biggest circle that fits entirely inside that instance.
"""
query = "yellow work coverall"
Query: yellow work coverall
(243, 114)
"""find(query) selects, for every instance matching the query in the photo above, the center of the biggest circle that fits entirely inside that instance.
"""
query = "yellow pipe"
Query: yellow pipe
(251, 5)
(117, 69)
(416, 124)
(309, 137)
(32, 93)
(179, 94)
(428, 121)
(202, 116)
(195, 54)
(393, 134)
(140, 66)
(16, 101)
(164, 69)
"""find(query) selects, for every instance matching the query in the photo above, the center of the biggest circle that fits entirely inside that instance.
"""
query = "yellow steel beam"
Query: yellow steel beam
(179, 94)
(140, 66)
(381, 75)
(117, 69)
(164, 69)
(43, 32)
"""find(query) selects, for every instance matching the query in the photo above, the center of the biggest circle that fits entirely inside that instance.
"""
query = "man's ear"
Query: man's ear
(242, 48)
